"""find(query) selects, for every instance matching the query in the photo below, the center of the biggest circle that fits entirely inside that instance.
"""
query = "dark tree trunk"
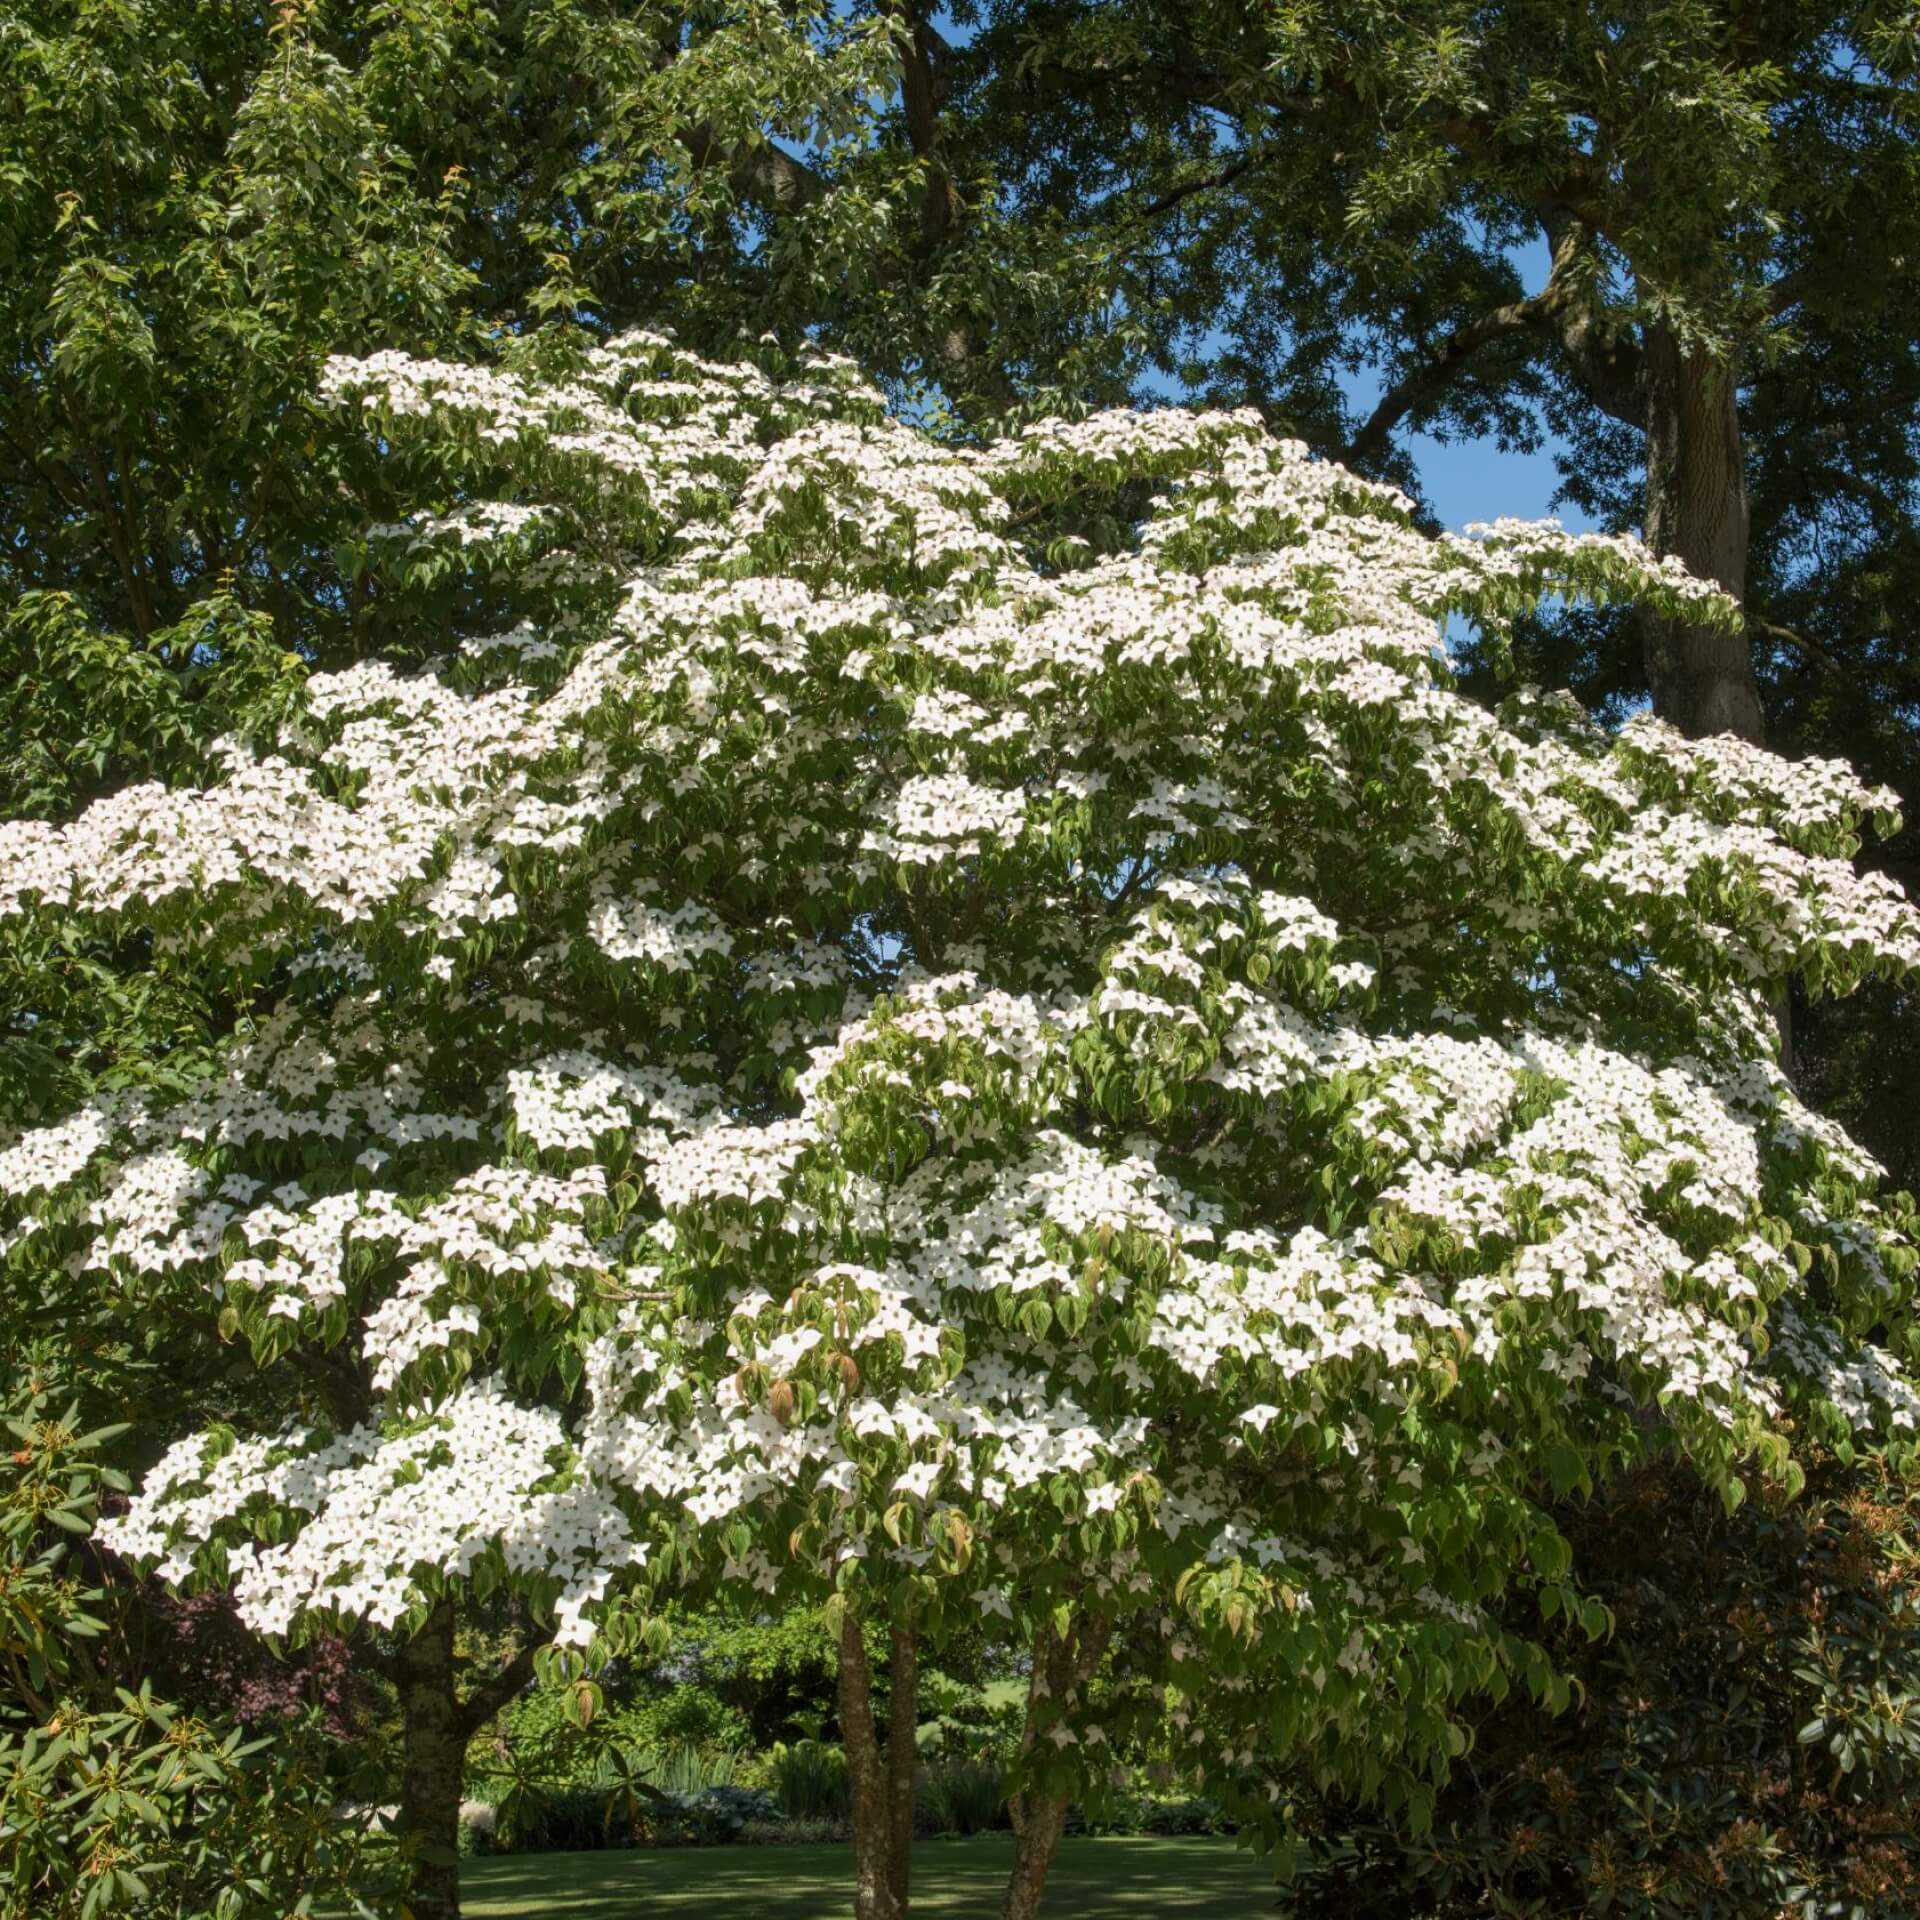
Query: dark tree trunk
(1701, 678)
(881, 1779)
(1063, 1663)
(435, 1746)
(1042, 1820)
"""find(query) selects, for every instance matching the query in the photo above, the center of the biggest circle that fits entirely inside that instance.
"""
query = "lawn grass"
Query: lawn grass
(1093, 1879)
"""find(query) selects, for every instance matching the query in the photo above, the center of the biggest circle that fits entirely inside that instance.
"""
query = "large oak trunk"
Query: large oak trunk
(434, 1749)
(1701, 678)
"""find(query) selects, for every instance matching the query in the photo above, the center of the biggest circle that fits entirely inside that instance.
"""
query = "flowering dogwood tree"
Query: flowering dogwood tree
(981, 1035)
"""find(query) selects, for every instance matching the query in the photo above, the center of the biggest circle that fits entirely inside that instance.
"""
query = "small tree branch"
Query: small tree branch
(1209, 183)
(1898, 518)
(1789, 290)
(494, 1693)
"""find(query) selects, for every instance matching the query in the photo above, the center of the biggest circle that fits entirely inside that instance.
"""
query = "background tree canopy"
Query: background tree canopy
(1679, 240)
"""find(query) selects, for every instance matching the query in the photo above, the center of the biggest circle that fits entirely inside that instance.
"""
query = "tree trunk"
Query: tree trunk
(903, 1756)
(1701, 678)
(882, 1781)
(435, 1745)
(1040, 1822)
(1063, 1663)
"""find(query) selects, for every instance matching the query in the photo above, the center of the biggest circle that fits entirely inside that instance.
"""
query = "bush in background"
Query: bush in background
(1747, 1746)
(114, 1797)
(809, 1780)
(963, 1796)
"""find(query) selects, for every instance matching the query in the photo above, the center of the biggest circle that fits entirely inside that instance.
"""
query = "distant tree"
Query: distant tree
(1724, 191)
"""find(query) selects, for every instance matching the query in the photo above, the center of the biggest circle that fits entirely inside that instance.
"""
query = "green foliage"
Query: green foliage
(773, 1674)
(674, 1796)
(964, 1796)
(809, 1779)
(147, 1808)
(543, 1743)
(111, 1799)
(1152, 1813)
(49, 1491)
(1746, 1741)
(83, 708)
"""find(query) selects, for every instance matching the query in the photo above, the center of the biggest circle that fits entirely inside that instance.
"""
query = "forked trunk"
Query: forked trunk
(881, 1777)
(1063, 1663)
(434, 1756)
(1041, 1820)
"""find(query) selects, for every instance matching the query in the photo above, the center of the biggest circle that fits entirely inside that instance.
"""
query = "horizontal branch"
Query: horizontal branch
(1553, 309)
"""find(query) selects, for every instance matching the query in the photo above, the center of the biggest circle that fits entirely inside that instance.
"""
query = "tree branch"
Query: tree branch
(1811, 648)
(1546, 310)
(1789, 290)
(487, 1699)
(1870, 494)
(1223, 177)
(1610, 367)
(1439, 373)
(920, 94)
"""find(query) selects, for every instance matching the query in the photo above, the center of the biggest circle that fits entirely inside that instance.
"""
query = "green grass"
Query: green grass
(1093, 1879)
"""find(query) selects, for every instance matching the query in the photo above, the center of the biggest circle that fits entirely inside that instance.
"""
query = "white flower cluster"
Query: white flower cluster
(481, 1477)
(950, 1066)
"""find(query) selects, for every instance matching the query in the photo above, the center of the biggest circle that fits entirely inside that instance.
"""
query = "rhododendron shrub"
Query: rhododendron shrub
(979, 1033)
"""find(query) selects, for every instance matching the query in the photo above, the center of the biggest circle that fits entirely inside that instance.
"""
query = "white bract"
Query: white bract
(855, 1040)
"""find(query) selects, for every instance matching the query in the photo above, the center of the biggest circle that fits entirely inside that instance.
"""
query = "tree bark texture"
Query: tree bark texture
(1043, 1819)
(1063, 1663)
(881, 1778)
(903, 1755)
(1701, 678)
(434, 1749)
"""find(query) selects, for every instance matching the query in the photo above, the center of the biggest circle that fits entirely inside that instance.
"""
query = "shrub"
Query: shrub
(710, 1816)
(963, 1796)
(1151, 1813)
(1747, 1744)
(809, 1780)
(791, 1833)
(112, 1796)
(677, 1798)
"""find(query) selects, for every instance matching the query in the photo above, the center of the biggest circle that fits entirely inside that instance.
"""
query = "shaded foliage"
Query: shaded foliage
(1746, 1742)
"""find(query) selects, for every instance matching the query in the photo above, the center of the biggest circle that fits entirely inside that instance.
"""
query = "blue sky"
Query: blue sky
(1473, 479)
